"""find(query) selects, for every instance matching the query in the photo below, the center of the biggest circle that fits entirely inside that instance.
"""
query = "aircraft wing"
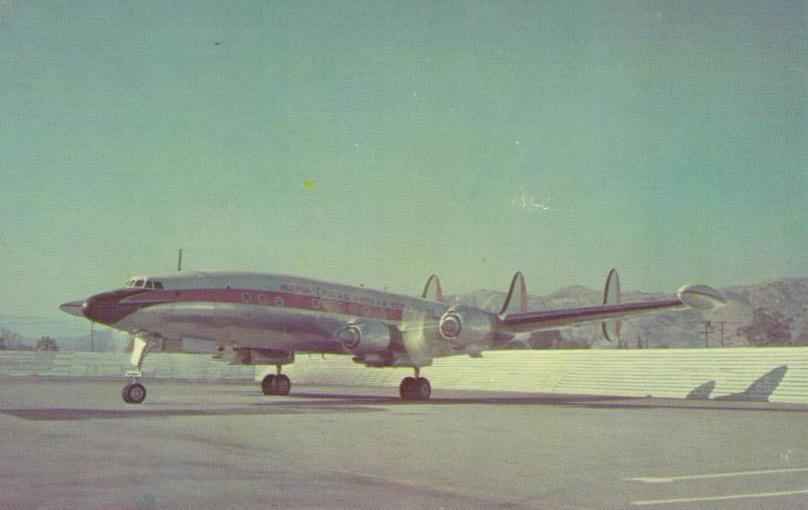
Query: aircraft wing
(700, 297)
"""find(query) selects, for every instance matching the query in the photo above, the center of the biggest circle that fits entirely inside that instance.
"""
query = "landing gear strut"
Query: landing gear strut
(276, 384)
(134, 392)
(415, 388)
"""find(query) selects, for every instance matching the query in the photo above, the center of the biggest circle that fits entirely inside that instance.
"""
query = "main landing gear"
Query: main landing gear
(415, 388)
(276, 384)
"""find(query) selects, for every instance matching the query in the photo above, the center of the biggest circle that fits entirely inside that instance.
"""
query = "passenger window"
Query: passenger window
(139, 283)
(148, 285)
(158, 285)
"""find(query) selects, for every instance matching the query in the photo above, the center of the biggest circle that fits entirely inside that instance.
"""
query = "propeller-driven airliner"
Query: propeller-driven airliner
(264, 319)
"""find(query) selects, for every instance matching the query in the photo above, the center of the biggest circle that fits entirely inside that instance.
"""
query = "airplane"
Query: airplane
(264, 319)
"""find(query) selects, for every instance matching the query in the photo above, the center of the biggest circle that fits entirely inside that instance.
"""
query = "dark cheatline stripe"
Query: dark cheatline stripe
(110, 307)
(275, 299)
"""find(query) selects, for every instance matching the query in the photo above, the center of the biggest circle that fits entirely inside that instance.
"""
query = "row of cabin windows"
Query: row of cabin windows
(144, 283)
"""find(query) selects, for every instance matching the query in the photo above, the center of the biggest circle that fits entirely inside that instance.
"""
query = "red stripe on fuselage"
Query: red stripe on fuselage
(275, 299)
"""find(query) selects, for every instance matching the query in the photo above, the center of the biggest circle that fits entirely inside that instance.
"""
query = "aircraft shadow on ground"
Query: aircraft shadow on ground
(588, 401)
(298, 403)
(543, 399)
(66, 414)
(758, 391)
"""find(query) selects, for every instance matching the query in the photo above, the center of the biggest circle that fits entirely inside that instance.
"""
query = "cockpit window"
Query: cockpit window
(144, 283)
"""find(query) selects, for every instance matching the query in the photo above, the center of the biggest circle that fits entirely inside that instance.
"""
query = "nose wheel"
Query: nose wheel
(415, 388)
(134, 393)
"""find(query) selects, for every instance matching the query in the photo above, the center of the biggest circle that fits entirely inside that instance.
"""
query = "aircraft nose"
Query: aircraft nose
(87, 309)
(73, 308)
(90, 308)
(105, 308)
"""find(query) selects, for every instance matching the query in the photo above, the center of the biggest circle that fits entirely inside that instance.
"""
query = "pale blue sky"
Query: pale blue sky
(469, 139)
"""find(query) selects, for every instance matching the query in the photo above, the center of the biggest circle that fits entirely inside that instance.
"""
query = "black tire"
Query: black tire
(405, 388)
(421, 390)
(282, 384)
(268, 384)
(134, 393)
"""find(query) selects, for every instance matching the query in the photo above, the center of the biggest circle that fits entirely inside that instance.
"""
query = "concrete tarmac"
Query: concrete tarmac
(74, 444)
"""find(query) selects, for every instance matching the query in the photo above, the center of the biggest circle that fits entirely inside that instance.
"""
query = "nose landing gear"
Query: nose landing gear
(134, 392)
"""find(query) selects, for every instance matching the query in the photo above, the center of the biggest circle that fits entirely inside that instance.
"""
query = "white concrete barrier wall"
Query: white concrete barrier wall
(104, 364)
(773, 374)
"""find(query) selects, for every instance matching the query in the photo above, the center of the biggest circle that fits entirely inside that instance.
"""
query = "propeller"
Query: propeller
(419, 333)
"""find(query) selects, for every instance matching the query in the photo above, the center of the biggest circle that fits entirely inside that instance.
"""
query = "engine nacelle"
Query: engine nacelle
(466, 326)
(365, 337)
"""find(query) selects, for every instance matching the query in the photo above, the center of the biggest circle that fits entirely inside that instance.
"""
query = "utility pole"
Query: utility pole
(179, 262)
(721, 323)
(708, 327)
(92, 336)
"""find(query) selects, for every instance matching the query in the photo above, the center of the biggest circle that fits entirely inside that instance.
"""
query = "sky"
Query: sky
(379, 142)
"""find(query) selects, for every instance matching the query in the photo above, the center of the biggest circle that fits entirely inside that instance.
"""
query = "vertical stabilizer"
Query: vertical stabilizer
(516, 300)
(612, 295)
(432, 290)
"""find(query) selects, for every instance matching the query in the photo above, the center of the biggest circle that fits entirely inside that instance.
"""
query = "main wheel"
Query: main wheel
(268, 384)
(282, 384)
(421, 390)
(134, 393)
(405, 388)
(276, 384)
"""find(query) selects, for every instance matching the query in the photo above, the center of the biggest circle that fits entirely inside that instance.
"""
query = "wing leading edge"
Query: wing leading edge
(700, 297)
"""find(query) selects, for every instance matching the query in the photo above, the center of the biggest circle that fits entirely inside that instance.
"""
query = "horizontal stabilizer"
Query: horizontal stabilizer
(700, 297)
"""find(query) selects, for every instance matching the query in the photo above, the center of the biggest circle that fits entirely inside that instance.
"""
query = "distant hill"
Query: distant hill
(70, 333)
(35, 326)
(669, 329)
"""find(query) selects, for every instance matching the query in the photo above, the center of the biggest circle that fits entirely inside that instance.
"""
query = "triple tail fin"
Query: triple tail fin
(515, 303)
(612, 295)
(432, 290)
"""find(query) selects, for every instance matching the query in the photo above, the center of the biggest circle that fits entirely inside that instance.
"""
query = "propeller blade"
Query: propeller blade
(419, 333)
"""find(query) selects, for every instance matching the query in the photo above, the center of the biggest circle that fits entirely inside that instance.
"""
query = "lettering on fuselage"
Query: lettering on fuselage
(291, 297)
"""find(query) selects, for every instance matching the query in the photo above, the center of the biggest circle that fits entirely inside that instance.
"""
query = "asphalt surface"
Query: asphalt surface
(75, 444)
